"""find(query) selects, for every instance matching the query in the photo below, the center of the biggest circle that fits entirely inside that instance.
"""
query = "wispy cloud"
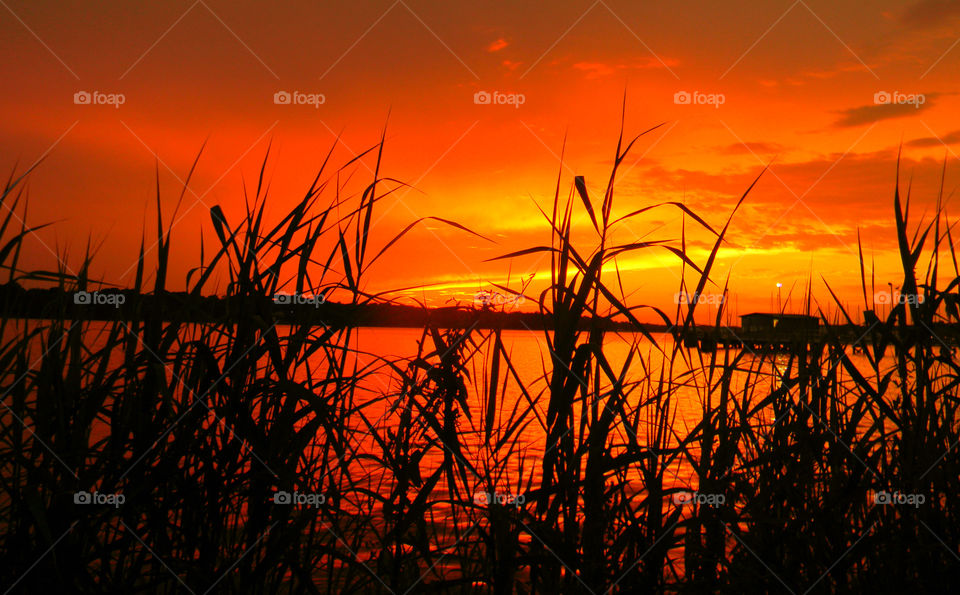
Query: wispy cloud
(498, 45)
(757, 148)
(601, 69)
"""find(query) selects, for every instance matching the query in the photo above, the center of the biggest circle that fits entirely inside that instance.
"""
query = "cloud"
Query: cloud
(601, 69)
(929, 13)
(751, 148)
(840, 193)
(498, 45)
(844, 67)
(951, 138)
(866, 114)
(808, 237)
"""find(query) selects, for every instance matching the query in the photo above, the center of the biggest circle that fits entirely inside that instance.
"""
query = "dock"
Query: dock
(771, 332)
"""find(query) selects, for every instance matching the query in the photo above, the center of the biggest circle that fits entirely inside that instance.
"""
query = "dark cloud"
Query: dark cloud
(867, 114)
(951, 138)
(929, 13)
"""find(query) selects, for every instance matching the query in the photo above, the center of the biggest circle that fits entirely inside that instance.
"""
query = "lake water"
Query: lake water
(531, 359)
(515, 466)
(532, 363)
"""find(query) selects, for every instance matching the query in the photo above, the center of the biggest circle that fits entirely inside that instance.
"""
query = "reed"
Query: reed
(428, 477)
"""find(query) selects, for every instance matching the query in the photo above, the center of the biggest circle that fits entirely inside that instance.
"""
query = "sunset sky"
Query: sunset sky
(825, 91)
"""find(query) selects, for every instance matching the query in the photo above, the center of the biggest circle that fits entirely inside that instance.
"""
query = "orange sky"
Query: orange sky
(799, 82)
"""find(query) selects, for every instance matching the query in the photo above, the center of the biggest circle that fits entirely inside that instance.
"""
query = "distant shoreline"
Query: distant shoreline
(40, 304)
(17, 302)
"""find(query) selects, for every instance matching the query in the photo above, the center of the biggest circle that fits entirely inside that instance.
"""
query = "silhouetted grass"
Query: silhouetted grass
(200, 425)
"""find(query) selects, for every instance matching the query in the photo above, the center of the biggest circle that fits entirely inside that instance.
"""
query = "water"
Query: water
(509, 462)
(531, 363)
(531, 360)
